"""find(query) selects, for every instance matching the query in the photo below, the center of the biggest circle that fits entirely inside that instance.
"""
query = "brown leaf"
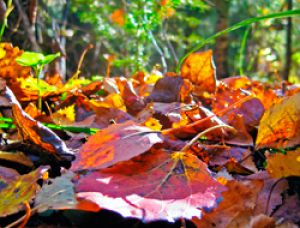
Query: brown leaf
(35, 132)
(238, 199)
(171, 89)
(118, 142)
(155, 185)
(18, 157)
(290, 210)
(270, 196)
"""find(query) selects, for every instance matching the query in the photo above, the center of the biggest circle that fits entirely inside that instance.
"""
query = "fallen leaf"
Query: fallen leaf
(7, 175)
(17, 157)
(35, 132)
(134, 103)
(171, 89)
(57, 194)
(284, 165)
(279, 126)
(290, 210)
(240, 198)
(199, 68)
(65, 116)
(155, 185)
(118, 142)
(111, 101)
(270, 197)
(22, 189)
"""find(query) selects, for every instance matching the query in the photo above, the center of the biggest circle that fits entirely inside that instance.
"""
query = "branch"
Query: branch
(28, 28)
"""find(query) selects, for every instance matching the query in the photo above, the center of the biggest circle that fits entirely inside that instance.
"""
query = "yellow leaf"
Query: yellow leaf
(111, 101)
(2, 53)
(279, 126)
(153, 124)
(284, 165)
(64, 116)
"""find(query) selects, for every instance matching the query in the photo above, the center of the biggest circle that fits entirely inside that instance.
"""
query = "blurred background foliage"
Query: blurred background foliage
(131, 36)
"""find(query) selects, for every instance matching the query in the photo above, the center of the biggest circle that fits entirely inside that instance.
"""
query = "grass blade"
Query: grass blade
(288, 13)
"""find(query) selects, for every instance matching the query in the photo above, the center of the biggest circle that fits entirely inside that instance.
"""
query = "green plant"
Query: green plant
(5, 11)
(37, 61)
(288, 13)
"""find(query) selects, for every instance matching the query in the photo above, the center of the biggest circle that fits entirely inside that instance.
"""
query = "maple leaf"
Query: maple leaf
(279, 126)
(22, 188)
(155, 185)
(284, 165)
(118, 142)
(199, 68)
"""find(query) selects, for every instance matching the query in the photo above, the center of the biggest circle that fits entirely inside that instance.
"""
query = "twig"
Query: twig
(24, 219)
(188, 145)
(90, 46)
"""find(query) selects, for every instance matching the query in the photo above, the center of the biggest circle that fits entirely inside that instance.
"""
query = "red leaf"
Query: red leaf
(154, 185)
(119, 142)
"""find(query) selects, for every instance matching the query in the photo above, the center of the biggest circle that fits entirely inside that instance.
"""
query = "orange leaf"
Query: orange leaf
(284, 165)
(199, 68)
(155, 185)
(118, 142)
(279, 126)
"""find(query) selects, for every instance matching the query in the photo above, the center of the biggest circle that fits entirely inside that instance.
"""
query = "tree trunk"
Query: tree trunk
(222, 42)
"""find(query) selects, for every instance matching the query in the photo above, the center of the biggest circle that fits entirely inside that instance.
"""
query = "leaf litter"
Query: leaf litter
(168, 147)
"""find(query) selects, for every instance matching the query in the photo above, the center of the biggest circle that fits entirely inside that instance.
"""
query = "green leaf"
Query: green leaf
(30, 59)
(50, 58)
(34, 59)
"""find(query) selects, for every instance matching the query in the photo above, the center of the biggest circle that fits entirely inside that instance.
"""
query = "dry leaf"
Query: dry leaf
(284, 165)
(279, 126)
(118, 142)
(199, 68)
